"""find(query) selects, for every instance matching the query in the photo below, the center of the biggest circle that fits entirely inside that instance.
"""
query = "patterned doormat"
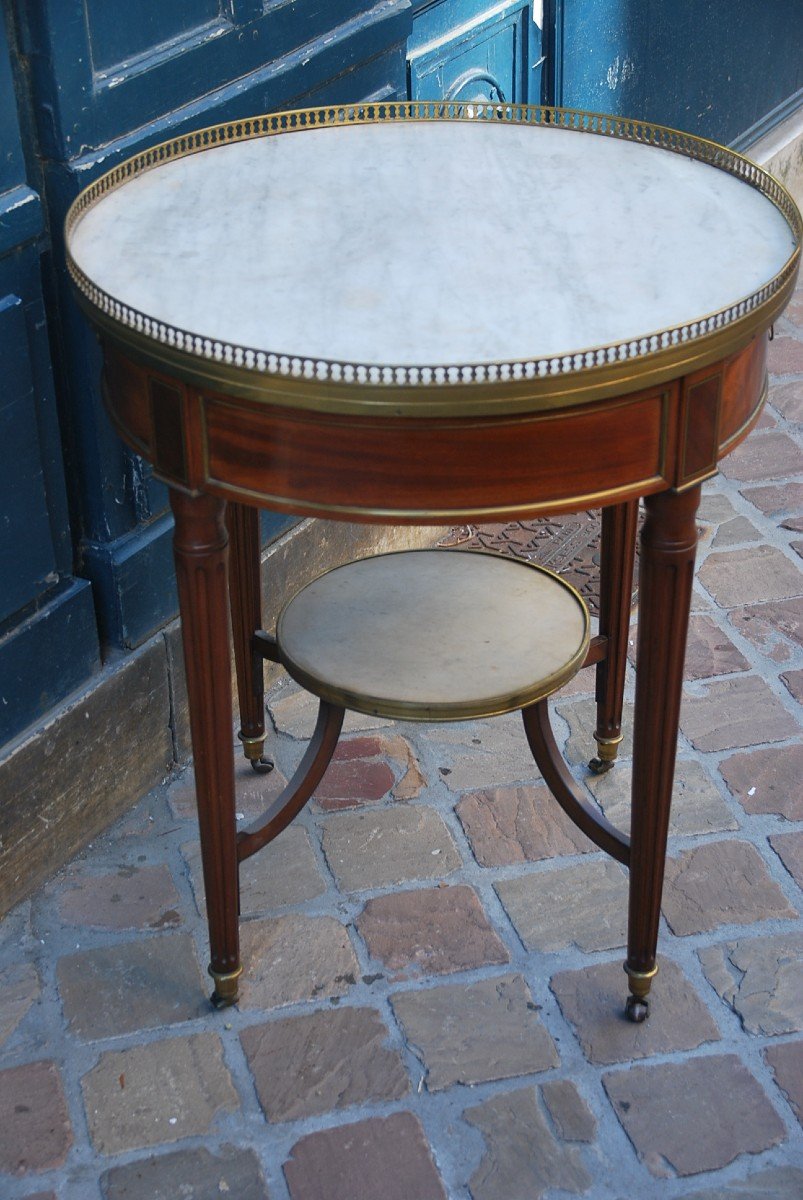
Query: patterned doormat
(568, 545)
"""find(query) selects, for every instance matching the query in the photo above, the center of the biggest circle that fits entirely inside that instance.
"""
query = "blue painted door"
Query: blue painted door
(476, 50)
(48, 639)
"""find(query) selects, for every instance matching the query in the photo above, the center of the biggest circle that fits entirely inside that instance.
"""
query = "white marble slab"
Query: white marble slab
(434, 243)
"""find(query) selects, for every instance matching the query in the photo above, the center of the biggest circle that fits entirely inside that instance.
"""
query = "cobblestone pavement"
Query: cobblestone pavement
(433, 988)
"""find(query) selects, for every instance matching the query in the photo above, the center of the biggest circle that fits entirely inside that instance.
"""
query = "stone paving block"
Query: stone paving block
(734, 533)
(789, 848)
(483, 753)
(294, 958)
(761, 978)
(188, 1175)
(573, 1119)
(19, 989)
(736, 712)
(767, 781)
(129, 898)
(160, 1092)
(787, 399)
(303, 1066)
(471, 1033)
(283, 872)
(709, 651)
(771, 455)
(715, 508)
(295, 713)
(785, 357)
(119, 989)
(518, 824)
(697, 806)
(523, 1159)
(776, 499)
(253, 792)
(430, 931)
(750, 576)
(581, 716)
(776, 630)
(593, 1000)
(693, 1116)
(386, 1157)
(349, 782)
(391, 845)
(720, 883)
(793, 682)
(35, 1130)
(774, 1183)
(583, 905)
(786, 1062)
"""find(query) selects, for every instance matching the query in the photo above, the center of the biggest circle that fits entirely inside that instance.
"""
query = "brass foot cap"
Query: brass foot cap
(226, 987)
(640, 981)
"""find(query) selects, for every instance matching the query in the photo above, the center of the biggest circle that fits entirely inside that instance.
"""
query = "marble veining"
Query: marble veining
(431, 243)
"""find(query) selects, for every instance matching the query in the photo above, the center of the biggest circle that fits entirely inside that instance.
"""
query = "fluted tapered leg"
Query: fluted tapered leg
(200, 547)
(245, 591)
(619, 523)
(666, 573)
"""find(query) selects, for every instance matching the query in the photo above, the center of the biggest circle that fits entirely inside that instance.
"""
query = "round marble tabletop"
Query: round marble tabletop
(426, 252)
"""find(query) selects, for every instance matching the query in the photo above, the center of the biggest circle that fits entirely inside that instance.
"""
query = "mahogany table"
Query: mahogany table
(426, 313)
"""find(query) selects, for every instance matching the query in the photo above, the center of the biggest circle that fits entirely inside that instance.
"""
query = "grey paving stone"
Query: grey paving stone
(734, 532)
(789, 848)
(386, 1157)
(523, 1159)
(157, 1093)
(720, 883)
(134, 985)
(774, 500)
(772, 455)
(697, 806)
(295, 713)
(787, 398)
(483, 754)
(709, 651)
(592, 999)
(573, 1119)
(583, 905)
(776, 629)
(35, 1130)
(283, 872)
(773, 1183)
(294, 958)
(19, 989)
(303, 1066)
(471, 1033)
(733, 713)
(786, 1061)
(129, 898)
(391, 845)
(581, 716)
(750, 576)
(253, 792)
(430, 931)
(194, 1174)
(518, 824)
(761, 978)
(768, 780)
(693, 1116)
(793, 682)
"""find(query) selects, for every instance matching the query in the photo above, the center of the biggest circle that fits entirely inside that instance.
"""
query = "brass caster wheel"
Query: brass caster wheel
(262, 765)
(637, 1009)
(599, 766)
(226, 988)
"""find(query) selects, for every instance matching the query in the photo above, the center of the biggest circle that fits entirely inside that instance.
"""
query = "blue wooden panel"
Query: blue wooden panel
(116, 38)
(46, 655)
(712, 67)
(474, 51)
(81, 107)
(27, 559)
